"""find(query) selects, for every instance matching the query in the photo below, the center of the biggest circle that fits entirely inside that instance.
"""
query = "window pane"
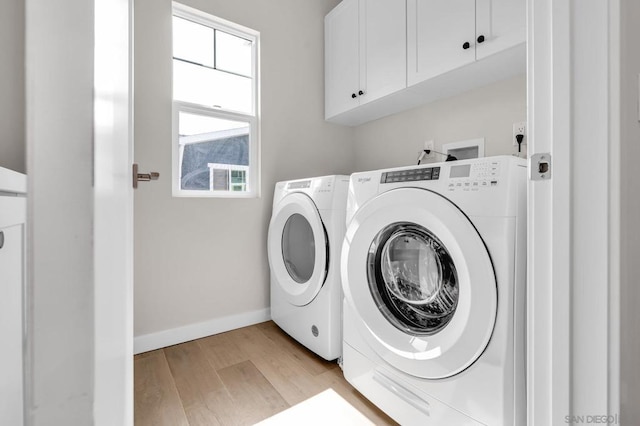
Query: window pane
(238, 180)
(196, 84)
(192, 42)
(233, 54)
(211, 150)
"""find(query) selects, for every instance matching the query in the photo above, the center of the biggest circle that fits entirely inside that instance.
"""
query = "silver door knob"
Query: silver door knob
(143, 177)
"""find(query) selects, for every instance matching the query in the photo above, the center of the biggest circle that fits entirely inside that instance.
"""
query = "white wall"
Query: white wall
(487, 112)
(630, 212)
(12, 139)
(198, 260)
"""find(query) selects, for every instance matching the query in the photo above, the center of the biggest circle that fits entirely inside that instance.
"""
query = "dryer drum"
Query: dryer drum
(412, 278)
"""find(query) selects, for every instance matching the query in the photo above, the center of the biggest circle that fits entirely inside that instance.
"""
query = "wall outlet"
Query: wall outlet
(430, 146)
(519, 129)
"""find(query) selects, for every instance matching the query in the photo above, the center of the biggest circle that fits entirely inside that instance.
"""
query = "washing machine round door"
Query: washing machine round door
(421, 281)
(298, 248)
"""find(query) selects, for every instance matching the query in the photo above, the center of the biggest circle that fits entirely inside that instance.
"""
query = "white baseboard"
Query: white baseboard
(162, 339)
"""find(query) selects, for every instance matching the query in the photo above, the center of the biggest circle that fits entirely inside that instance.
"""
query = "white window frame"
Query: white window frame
(252, 119)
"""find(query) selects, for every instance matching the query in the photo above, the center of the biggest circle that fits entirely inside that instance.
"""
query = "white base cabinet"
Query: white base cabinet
(13, 208)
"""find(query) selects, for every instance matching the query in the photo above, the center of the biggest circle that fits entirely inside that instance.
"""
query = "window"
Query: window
(215, 107)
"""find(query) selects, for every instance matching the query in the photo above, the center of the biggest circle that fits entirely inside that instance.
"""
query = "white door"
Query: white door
(440, 37)
(113, 213)
(573, 115)
(422, 282)
(298, 248)
(79, 300)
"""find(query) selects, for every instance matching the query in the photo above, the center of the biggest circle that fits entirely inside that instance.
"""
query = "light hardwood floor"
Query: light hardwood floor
(236, 378)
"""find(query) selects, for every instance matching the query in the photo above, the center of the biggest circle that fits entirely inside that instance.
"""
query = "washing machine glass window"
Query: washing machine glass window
(298, 248)
(412, 278)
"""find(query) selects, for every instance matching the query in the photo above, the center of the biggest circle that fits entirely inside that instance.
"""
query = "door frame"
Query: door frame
(572, 92)
(60, 126)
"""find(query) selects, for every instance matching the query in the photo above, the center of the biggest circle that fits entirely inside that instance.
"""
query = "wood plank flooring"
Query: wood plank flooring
(236, 378)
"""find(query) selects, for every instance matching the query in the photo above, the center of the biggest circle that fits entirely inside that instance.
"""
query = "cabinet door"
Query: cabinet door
(12, 210)
(437, 31)
(502, 23)
(383, 61)
(341, 61)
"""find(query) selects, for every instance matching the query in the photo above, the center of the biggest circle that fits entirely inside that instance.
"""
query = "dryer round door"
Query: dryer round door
(298, 248)
(421, 281)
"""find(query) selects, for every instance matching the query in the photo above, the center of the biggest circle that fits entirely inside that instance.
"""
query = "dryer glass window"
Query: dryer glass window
(412, 278)
(298, 248)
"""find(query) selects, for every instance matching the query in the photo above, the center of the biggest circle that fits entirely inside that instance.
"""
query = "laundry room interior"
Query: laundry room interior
(214, 315)
(296, 142)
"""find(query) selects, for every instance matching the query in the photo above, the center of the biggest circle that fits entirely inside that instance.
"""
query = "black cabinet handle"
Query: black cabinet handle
(353, 95)
(480, 39)
(466, 45)
(1, 239)
(360, 93)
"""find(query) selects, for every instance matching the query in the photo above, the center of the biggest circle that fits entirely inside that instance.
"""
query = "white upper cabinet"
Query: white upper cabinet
(386, 56)
(383, 39)
(365, 53)
(342, 62)
(501, 24)
(441, 37)
(445, 35)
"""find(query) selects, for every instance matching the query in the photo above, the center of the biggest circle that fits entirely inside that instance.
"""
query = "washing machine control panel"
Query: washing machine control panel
(474, 176)
(423, 173)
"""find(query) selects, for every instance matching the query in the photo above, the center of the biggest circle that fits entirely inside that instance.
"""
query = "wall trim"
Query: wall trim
(174, 336)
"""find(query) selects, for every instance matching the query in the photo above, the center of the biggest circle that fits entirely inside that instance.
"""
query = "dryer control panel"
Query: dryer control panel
(300, 184)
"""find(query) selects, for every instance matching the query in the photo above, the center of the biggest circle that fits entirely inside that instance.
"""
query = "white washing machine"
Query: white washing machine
(433, 271)
(305, 237)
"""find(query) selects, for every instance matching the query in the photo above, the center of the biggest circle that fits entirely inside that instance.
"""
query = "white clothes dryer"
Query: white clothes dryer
(304, 242)
(433, 272)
